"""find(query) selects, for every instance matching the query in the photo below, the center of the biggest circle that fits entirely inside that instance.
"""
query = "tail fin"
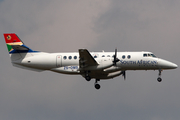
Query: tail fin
(18, 51)
(14, 44)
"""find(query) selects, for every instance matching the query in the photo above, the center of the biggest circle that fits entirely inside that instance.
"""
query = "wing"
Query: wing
(86, 59)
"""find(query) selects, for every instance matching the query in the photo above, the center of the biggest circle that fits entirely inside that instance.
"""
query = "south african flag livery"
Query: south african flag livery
(14, 44)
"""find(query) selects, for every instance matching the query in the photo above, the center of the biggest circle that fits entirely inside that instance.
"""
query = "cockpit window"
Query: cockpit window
(148, 55)
(144, 55)
(153, 55)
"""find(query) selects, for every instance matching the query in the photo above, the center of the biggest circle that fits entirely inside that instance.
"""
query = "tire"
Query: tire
(97, 86)
(159, 79)
(88, 78)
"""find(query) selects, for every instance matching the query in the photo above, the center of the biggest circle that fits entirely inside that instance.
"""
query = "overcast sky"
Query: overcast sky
(65, 26)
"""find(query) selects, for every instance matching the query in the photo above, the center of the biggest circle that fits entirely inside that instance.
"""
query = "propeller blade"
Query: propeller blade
(124, 75)
(115, 52)
(115, 57)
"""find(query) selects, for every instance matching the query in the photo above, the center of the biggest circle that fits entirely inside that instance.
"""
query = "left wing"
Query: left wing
(86, 59)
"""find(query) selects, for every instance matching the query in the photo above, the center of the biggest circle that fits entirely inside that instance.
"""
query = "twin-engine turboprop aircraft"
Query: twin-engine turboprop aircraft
(97, 65)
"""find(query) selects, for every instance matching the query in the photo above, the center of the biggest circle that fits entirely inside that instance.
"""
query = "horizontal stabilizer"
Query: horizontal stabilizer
(20, 47)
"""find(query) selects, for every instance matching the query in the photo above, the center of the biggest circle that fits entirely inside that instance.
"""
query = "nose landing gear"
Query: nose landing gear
(159, 79)
(96, 85)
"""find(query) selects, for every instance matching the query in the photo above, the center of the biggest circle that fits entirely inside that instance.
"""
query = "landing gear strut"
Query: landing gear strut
(159, 79)
(96, 85)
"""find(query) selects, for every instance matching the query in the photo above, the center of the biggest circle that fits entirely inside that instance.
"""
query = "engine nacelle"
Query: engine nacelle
(114, 74)
(112, 69)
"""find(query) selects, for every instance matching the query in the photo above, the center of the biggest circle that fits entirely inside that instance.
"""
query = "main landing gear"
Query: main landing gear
(159, 79)
(87, 77)
(96, 85)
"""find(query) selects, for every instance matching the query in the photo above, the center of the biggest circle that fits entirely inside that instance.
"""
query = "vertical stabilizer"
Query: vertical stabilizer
(16, 48)
(15, 45)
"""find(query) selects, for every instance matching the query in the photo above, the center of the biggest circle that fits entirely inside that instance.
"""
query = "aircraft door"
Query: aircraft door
(58, 61)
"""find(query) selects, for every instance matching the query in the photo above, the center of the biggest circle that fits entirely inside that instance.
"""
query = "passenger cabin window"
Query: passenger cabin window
(123, 56)
(103, 55)
(65, 57)
(108, 56)
(128, 56)
(95, 56)
(75, 57)
(70, 57)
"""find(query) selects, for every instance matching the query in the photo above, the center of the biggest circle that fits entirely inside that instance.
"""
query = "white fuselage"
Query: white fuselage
(68, 63)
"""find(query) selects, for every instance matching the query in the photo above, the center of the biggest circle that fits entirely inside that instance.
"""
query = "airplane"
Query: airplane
(90, 65)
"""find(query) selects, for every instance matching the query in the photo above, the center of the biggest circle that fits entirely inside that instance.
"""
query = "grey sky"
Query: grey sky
(64, 26)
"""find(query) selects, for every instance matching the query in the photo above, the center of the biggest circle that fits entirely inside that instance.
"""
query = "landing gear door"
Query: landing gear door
(58, 61)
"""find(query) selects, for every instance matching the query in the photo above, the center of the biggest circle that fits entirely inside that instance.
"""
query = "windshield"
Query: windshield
(148, 55)
(153, 55)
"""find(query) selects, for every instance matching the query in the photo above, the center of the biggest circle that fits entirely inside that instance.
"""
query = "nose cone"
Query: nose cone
(164, 64)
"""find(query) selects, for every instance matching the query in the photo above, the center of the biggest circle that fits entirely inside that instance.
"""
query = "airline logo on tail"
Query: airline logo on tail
(15, 45)
(12, 40)
(9, 37)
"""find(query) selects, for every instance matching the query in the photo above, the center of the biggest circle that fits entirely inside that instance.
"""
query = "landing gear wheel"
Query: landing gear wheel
(159, 79)
(97, 86)
(88, 78)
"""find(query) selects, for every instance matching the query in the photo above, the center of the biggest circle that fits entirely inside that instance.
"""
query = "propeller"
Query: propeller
(115, 58)
(123, 73)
